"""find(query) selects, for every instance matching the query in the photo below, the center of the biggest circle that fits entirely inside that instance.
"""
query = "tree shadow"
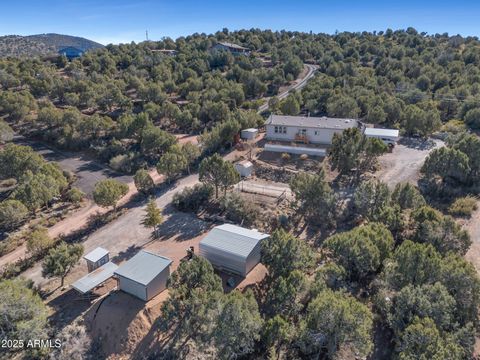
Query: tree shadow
(67, 307)
(184, 226)
(126, 254)
(417, 143)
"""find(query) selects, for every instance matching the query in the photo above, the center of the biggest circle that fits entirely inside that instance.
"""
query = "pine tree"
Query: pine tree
(153, 216)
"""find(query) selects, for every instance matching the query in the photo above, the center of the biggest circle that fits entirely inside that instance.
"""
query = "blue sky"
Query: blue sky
(115, 21)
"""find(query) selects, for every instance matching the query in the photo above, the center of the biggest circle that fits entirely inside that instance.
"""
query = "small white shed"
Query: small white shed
(244, 168)
(145, 275)
(232, 248)
(249, 134)
(97, 258)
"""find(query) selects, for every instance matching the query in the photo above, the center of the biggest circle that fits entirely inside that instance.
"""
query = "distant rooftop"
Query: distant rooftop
(233, 46)
(233, 239)
(143, 267)
(96, 254)
(312, 122)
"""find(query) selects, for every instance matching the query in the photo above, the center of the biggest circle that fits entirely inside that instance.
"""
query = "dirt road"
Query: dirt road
(404, 162)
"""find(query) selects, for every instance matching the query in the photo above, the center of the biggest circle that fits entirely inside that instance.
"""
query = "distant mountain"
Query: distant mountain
(42, 44)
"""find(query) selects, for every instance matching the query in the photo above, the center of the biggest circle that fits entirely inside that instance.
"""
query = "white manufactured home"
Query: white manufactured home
(144, 275)
(232, 248)
(314, 130)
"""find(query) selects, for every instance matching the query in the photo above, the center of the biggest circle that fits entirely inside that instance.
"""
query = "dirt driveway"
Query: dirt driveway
(404, 162)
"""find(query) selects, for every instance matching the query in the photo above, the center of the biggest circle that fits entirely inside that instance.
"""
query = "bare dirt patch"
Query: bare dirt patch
(404, 162)
(184, 138)
(119, 322)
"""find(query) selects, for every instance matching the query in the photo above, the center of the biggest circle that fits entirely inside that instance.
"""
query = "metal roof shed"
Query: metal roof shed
(232, 248)
(249, 134)
(145, 275)
(96, 258)
(244, 168)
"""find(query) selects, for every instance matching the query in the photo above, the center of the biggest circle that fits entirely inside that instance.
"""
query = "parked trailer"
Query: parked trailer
(388, 136)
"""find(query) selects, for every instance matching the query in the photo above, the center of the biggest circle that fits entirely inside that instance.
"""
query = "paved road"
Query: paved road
(87, 171)
(299, 84)
(126, 235)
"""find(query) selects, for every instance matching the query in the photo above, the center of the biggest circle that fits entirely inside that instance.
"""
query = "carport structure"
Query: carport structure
(95, 278)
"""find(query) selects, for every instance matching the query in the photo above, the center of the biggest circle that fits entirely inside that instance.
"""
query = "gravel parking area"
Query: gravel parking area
(404, 162)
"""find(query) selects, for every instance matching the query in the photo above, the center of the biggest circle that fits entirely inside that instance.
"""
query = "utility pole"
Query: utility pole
(146, 34)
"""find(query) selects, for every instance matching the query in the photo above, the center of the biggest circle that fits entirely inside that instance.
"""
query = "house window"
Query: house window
(276, 129)
(284, 129)
(316, 132)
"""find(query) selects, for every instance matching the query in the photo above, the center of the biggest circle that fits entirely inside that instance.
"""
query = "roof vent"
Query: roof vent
(347, 121)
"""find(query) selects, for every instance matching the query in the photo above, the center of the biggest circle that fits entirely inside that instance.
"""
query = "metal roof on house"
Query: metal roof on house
(143, 267)
(381, 132)
(312, 122)
(233, 239)
(233, 46)
(96, 254)
(95, 278)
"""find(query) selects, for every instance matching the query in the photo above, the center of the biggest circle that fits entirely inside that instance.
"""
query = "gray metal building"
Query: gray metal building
(249, 134)
(144, 275)
(232, 248)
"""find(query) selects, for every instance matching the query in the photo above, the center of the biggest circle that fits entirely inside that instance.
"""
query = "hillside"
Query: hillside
(41, 44)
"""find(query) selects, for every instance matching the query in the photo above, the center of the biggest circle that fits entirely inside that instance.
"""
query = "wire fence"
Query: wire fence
(266, 190)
